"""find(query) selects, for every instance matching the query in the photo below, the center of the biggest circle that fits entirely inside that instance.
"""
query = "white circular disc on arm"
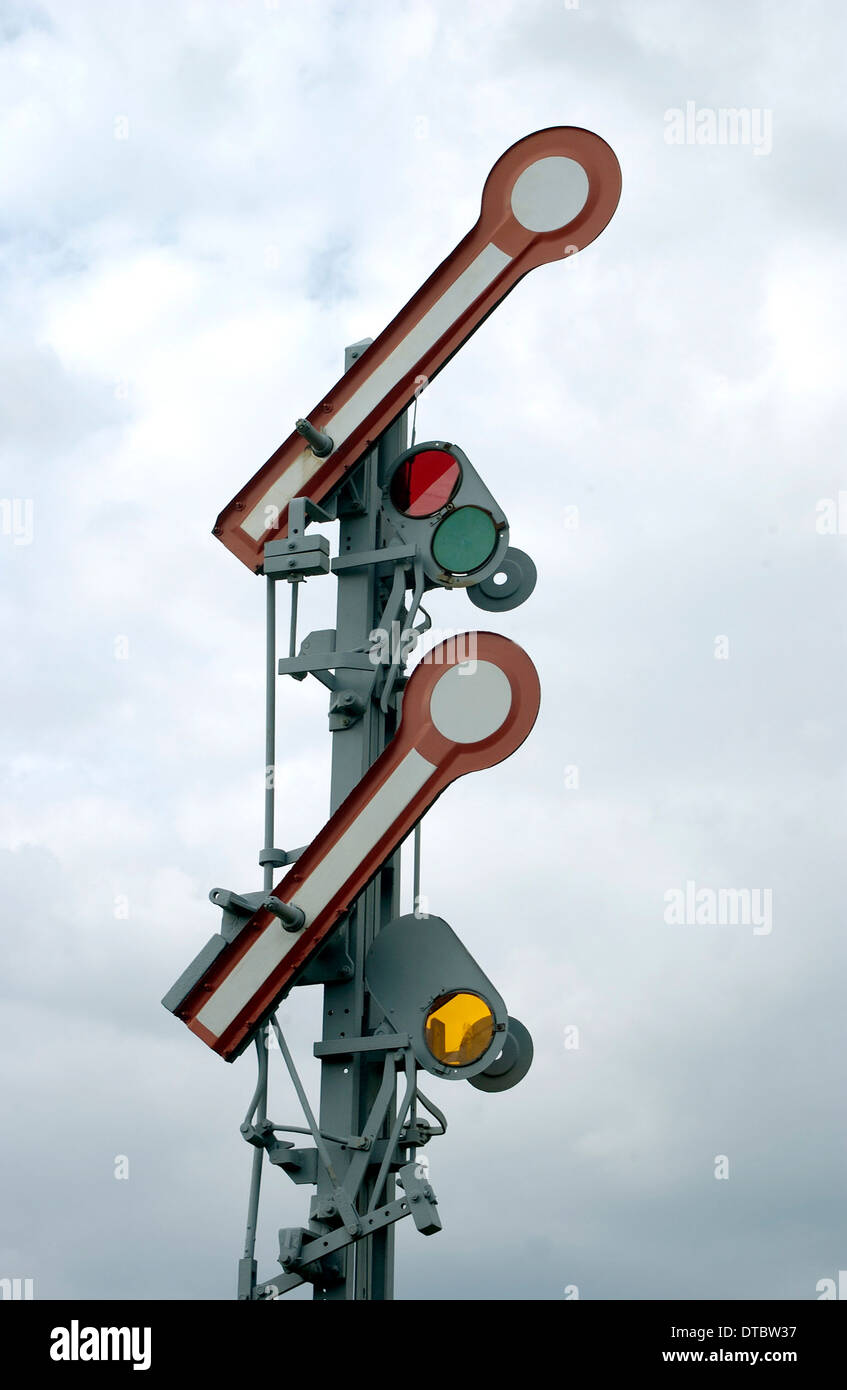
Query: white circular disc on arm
(550, 194)
(470, 701)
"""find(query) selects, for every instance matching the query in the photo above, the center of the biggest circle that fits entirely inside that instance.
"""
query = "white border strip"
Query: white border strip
(422, 336)
(329, 875)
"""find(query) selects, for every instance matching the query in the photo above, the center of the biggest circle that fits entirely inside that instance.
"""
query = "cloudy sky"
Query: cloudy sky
(202, 203)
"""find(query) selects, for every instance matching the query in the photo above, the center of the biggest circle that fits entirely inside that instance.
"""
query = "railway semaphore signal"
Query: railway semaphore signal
(402, 994)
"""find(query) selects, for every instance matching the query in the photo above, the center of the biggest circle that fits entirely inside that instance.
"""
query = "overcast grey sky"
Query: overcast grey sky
(202, 203)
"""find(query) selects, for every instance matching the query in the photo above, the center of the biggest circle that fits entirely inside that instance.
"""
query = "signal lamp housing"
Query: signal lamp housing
(429, 986)
(436, 500)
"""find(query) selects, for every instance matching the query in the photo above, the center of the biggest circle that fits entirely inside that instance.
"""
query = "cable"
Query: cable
(299, 1129)
(416, 870)
(260, 1099)
(411, 1074)
(304, 1102)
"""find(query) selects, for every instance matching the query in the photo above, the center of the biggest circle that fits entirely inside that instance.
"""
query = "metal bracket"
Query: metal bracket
(346, 1047)
(295, 1258)
(345, 707)
(278, 858)
(414, 1136)
(364, 559)
(302, 510)
(317, 657)
(236, 908)
(296, 559)
(298, 556)
(261, 1136)
(239, 904)
(301, 1165)
(333, 963)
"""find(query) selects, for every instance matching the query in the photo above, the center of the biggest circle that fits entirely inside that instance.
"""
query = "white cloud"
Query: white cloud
(175, 299)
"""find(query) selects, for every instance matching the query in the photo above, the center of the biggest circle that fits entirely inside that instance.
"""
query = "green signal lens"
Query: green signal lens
(465, 539)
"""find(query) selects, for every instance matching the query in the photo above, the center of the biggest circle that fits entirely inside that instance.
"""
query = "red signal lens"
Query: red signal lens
(425, 482)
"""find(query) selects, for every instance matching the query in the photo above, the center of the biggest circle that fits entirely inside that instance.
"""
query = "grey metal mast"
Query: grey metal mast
(360, 732)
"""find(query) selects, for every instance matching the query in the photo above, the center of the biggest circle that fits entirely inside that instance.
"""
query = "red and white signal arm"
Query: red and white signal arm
(548, 196)
(461, 713)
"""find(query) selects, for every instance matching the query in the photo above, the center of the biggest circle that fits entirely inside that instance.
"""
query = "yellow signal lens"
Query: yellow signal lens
(459, 1029)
